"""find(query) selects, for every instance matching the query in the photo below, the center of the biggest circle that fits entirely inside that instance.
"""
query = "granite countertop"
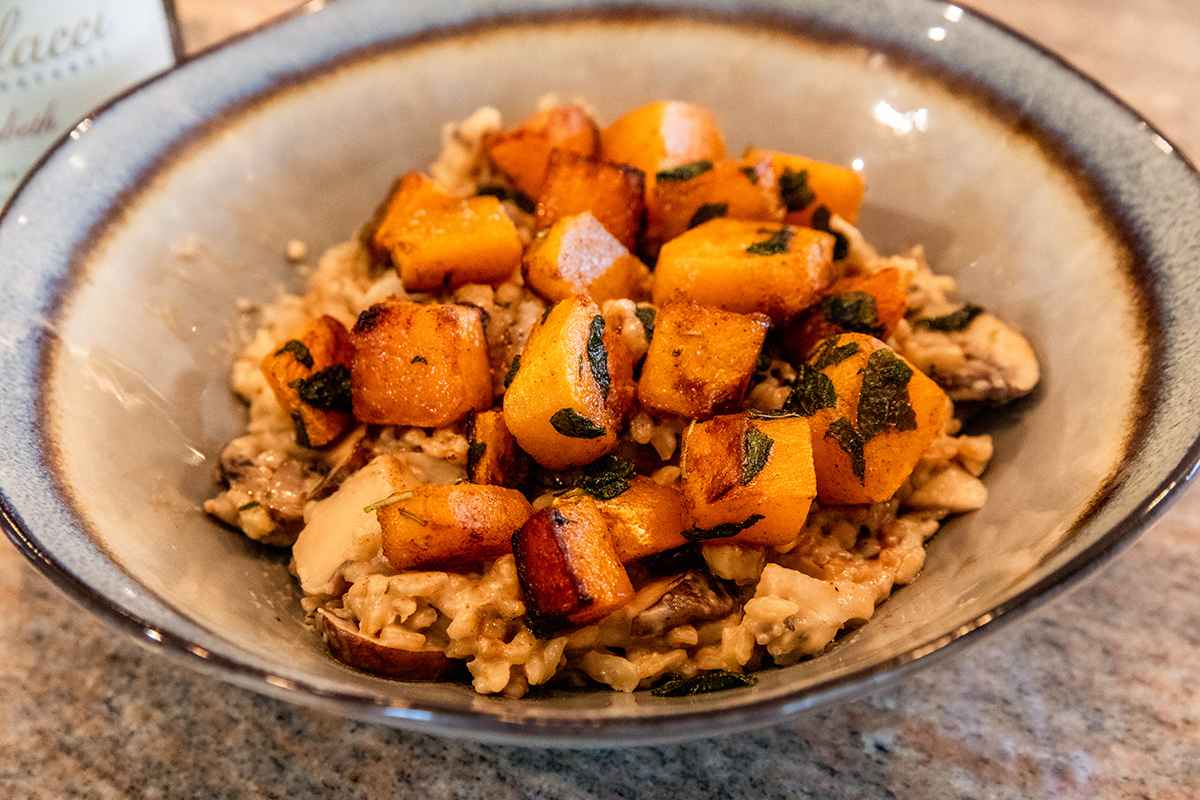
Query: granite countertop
(1093, 697)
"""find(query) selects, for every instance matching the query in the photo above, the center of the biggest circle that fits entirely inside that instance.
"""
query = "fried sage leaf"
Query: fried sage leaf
(475, 451)
(570, 422)
(820, 221)
(298, 351)
(722, 531)
(830, 353)
(328, 390)
(607, 478)
(954, 321)
(646, 315)
(706, 212)
(513, 366)
(598, 356)
(812, 391)
(773, 245)
(852, 443)
(684, 172)
(794, 191)
(883, 401)
(853, 311)
(703, 683)
(756, 451)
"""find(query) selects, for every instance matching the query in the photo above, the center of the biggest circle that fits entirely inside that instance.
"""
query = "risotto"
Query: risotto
(586, 406)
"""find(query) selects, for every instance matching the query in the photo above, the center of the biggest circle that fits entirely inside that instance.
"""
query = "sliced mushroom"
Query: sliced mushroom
(1000, 365)
(987, 361)
(690, 598)
(372, 655)
(344, 459)
(344, 526)
(263, 469)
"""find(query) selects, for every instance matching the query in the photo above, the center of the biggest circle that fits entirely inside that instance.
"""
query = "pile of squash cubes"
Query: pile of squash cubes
(740, 246)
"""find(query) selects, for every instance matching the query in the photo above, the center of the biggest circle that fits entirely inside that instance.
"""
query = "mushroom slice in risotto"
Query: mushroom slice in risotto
(987, 360)
(688, 599)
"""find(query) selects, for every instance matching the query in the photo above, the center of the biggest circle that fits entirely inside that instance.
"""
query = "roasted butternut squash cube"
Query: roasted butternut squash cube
(568, 568)
(417, 364)
(577, 255)
(523, 153)
(872, 418)
(310, 376)
(663, 135)
(700, 360)
(872, 303)
(613, 193)
(743, 266)
(453, 526)
(572, 389)
(736, 189)
(806, 184)
(492, 453)
(446, 245)
(409, 194)
(747, 479)
(645, 519)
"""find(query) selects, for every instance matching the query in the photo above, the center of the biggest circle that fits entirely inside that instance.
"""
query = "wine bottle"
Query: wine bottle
(61, 58)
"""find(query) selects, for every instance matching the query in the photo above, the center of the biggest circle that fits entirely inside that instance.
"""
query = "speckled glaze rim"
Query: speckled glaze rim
(646, 728)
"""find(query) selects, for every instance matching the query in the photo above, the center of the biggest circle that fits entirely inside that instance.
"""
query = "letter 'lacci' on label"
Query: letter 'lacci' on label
(61, 58)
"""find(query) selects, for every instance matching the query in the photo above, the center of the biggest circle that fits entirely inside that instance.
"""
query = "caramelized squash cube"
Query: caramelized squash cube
(418, 364)
(310, 376)
(735, 189)
(645, 519)
(744, 266)
(572, 389)
(872, 303)
(577, 255)
(613, 193)
(663, 135)
(450, 525)
(748, 479)
(523, 153)
(446, 245)
(806, 185)
(877, 416)
(568, 568)
(411, 193)
(492, 453)
(700, 360)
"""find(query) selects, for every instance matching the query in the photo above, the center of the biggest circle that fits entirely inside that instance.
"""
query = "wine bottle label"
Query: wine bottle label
(61, 58)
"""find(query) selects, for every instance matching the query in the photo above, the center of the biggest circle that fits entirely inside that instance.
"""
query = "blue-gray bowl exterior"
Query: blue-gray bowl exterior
(98, 349)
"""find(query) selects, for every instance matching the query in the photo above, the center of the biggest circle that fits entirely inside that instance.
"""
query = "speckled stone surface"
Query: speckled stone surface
(1093, 697)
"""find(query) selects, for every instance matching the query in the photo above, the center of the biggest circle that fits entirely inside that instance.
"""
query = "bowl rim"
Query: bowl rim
(611, 731)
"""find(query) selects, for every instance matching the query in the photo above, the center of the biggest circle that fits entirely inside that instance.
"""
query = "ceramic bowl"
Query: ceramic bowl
(1053, 203)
